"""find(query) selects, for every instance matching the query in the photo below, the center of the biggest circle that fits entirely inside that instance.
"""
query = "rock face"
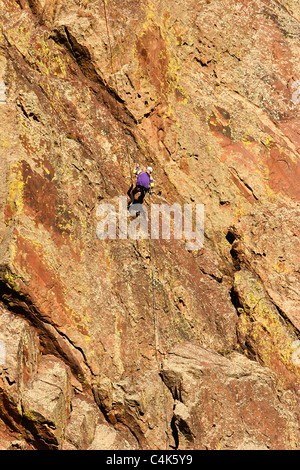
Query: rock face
(205, 386)
(141, 343)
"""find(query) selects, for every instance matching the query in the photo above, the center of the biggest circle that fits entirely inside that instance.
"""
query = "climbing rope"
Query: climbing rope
(108, 22)
(158, 352)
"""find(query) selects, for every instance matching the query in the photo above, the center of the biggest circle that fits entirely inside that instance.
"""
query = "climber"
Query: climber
(144, 184)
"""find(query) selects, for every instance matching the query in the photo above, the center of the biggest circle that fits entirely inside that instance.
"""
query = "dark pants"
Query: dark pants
(137, 189)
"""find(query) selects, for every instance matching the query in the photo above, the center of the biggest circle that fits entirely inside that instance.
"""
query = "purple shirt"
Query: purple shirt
(143, 179)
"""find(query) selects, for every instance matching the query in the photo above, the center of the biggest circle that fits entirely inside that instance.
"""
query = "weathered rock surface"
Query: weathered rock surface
(80, 430)
(228, 402)
(138, 344)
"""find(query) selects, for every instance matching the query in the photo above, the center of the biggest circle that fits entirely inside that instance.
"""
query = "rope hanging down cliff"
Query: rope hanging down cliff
(157, 341)
(159, 355)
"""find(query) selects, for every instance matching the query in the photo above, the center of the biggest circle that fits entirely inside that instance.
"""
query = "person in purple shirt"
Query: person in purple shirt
(144, 184)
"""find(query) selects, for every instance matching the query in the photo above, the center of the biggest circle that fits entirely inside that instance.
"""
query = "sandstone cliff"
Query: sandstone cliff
(141, 344)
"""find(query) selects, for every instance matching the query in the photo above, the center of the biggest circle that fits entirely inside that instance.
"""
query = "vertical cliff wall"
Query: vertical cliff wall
(141, 344)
